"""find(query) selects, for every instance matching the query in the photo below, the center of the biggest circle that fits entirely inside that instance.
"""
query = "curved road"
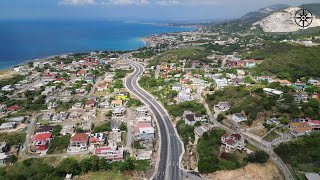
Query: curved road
(170, 146)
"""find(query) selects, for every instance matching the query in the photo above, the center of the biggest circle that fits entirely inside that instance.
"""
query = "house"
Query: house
(102, 87)
(8, 126)
(91, 103)
(241, 73)
(74, 115)
(3, 147)
(189, 118)
(250, 64)
(116, 103)
(47, 116)
(60, 117)
(198, 82)
(237, 117)
(284, 82)
(8, 88)
(104, 104)
(110, 153)
(142, 111)
(44, 129)
(312, 176)
(221, 83)
(48, 90)
(314, 82)
(79, 142)
(299, 129)
(237, 81)
(12, 108)
(144, 131)
(177, 87)
(4, 158)
(272, 92)
(265, 78)
(98, 138)
(123, 66)
(118, 111)
(143, 154)
(81, 73)
(89, 78)
(222, 106)
(232, 142)
(114, 137)
(273, 121)
(300, 97)
(42, 141)
(3, 108)
(49, 77)
(19, 119)
(77, 106)
(122, 95)
(208, 75)
(184, 95)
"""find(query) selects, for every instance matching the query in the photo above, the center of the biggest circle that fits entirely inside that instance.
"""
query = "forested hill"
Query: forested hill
(288, 61)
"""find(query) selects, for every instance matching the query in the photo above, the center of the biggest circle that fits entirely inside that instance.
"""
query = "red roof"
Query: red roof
(225, 135)
(60, 79)
(80, 137)
(315, 122)
(13, 108)
(93, 140)
(91, 101)
(230, 141)
(98, 151)
(237, 136)
(42, 137)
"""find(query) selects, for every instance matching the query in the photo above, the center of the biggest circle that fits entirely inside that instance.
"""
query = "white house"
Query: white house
(237, 117)
(177, 87)
(232, 142)
(221, 83)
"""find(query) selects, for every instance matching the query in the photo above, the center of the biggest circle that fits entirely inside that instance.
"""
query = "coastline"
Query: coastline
(143, 39)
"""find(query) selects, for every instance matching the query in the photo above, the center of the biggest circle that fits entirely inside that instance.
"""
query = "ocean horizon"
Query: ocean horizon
(26, 40)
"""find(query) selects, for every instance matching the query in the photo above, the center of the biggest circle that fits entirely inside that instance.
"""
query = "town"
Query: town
(224, 102)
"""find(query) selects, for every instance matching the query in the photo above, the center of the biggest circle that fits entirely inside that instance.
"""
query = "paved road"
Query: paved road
(170, 146)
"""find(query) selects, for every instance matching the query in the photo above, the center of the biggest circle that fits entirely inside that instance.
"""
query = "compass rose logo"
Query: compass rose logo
(303, 18)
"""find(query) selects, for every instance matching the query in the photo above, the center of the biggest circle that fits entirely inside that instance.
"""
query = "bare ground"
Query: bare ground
(268, 171)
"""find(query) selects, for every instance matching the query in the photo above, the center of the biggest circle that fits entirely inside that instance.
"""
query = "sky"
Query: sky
(134, 9)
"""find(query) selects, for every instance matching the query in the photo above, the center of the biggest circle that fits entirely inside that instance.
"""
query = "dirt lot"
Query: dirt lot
(249, 172)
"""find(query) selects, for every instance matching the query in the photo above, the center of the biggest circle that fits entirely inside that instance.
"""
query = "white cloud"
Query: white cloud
(127, 2)
(167, 2)
(77, 2)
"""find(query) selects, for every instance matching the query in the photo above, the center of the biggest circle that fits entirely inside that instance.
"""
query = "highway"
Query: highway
(170, 146)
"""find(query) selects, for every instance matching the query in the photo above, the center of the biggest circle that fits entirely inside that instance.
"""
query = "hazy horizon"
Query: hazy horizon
(160, 10)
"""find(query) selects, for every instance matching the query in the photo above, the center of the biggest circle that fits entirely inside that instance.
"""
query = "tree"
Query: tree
(95, 163)
(56, 130)
(123, 126)
(288, 98)
(79, 130)
(259, 157)
(88, 87)
(220, 117)
(86, 165)
(69, 166)
(284, 120)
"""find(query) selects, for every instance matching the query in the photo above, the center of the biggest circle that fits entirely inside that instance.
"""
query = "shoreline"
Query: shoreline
(143, 39)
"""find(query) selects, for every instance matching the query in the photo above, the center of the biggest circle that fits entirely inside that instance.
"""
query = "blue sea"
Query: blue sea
(25, 40)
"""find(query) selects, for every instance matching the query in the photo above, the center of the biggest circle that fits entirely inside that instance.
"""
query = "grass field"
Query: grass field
(271, 136)
(102, 176)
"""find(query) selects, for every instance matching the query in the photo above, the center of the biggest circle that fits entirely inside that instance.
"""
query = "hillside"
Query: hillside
(262, 13)
(283, 21)
(288, 60)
